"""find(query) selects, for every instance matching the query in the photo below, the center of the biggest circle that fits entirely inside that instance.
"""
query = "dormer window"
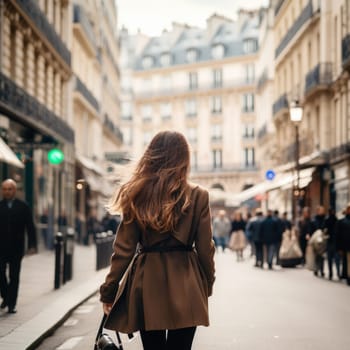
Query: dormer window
(147, 62)
(250, 45)
(191, 55)
(165, 59)
(218, 51)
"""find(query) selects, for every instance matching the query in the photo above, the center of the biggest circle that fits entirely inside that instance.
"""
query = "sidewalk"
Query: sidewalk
(41, 307)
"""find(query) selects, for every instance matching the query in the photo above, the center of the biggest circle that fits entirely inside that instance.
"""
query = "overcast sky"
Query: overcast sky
(152, 16)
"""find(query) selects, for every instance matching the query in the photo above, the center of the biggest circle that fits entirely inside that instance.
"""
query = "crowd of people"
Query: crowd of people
(320, 237)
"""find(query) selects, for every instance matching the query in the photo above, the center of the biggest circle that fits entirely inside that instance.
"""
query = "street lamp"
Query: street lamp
(296, 115)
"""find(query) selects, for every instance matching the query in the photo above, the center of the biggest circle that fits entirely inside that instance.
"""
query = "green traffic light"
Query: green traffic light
(55, 156)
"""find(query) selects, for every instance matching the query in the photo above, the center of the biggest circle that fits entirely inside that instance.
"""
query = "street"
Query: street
(251, 308)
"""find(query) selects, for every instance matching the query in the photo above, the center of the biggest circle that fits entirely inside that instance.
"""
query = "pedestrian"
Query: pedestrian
(109, 223)
(221, 230)
(305, 231)
(164, 293)
(282, 225)
(238, 239)
(15, 222)
(271, 236)
(254, 226)
(332, 254)
(319, 223)
(343, 243)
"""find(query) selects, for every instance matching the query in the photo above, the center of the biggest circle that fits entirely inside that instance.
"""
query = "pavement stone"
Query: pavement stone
(41, 308)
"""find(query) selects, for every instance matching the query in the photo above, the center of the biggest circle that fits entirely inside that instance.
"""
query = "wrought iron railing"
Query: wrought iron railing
(25, 106)
(305, 15)
(346, 50)
(281, 103)
(32, 10)
(80, 86)
(108, 123)
(306, 146)
(224, 168)
(321, 75)
(79, 16)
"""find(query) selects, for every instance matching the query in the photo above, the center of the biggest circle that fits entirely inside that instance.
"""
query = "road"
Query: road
(251, 308)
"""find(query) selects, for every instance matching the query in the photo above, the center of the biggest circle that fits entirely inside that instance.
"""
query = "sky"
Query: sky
(152, 16)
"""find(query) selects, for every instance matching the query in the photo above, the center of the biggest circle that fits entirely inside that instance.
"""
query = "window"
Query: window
(216, 104)
(193, 80)
(217, 78)
(192, 135)
(249, 73)
(165, 110)
(191, 108)
(126, 111)
(166, 82)
(146, 113)
(216, 132)
(127, 136)
(147, 62)
(147, 136)
(249, 157)
(191, 55)
(248, 131)
(218, 51)
(250, 45)
(194, 160)
(165, 59)
(217, 158)
(248, 103)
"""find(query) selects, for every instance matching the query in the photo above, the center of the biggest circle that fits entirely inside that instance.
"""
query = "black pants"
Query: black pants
(9, 288)
(259, 254)
(176, 339)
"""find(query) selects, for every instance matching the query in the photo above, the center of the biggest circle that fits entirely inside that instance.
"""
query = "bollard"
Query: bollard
(68, 255)
(58, 253)
(104, 250)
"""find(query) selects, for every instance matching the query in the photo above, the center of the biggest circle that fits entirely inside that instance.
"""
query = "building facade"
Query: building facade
(311, 68)
(35, 114)
(96, 103)
(202, 82)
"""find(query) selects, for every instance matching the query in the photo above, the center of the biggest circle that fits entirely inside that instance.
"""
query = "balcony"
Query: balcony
(280, 104)
(224, 168)
(185, 90)
(113, 129)
(305, 15)
(346, 52)
(80, 17)
(33, 11)
(80, 87)
(278, 6)
(306, 147)
(16, 102)
(320, 76)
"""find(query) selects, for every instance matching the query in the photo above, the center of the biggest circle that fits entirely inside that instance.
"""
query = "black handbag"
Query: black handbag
(104, 341)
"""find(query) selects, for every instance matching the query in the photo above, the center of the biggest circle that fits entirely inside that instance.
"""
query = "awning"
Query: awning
(8, 156)
(90, 164)
(283, 181)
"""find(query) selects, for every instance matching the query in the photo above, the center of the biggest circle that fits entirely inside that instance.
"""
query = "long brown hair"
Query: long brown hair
(157, 193)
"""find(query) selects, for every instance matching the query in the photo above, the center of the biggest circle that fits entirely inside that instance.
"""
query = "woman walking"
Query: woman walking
(238, 239)
(166, 284)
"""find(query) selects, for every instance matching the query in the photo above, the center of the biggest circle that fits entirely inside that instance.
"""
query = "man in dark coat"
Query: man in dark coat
(305, 230)
(343, 242)
(332, 255)
(271, 235)
(254, 227)
(15, 220)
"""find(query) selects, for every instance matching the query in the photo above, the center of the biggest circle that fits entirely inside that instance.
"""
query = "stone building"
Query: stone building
(95, 56)
(35, 114)
(202, 82)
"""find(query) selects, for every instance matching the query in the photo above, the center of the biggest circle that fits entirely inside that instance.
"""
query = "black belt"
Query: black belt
(159, 249)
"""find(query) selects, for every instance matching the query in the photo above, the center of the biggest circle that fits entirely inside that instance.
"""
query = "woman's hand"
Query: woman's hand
(107, 307)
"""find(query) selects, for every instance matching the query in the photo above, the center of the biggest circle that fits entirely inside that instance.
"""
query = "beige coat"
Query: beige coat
(162, 290)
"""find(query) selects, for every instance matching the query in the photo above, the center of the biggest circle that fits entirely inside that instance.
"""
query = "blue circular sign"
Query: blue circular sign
(270, 174)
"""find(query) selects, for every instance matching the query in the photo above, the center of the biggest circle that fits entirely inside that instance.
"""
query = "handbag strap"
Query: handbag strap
(100, 331)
